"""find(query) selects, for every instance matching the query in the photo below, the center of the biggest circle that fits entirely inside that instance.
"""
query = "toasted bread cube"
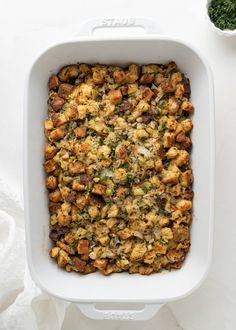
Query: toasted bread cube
(169, 177)
(179, 91)
(113, 211)
(160, 248)
(99, 189)
(166, 233)
(99, 74)
(65, 90)
(172, 153)
(132, 88)
(147, 94)
(49, 151)
(63, 218)
(145, 270)
(101, 263)
(54, 252)
(76, 185)
(182, 158)
(166, 86)
(48, 124)
(187, 125)
(125, 233)
(81, 202)
(50, 166)
(174, 255)
(65, 247)
(173, 105)
(68, 72)
(80, 132)
(187, 106)
(181, 233)
(53, 82)
(149, 257)
(59, 119)
(138, 252)
(147, 78)
(159, 78)
(83, 246)
(55, 196)
(93, 211)
(115, 96)
(57, 134)
(119, 75)
(51, 182)
(184, 205)
(168, 139)
(57, 103)
(79, 265)
(186, 178)
(76, 168)
(133, 73)
(63, 258)
(158, 165)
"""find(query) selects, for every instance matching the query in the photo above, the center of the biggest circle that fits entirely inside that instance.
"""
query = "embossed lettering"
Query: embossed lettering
(117, 22)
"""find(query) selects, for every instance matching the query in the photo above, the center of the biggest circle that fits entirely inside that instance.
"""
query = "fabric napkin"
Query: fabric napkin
(23, 306)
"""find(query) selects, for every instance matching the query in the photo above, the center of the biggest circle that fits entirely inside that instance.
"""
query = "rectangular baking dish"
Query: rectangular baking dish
(151, 290)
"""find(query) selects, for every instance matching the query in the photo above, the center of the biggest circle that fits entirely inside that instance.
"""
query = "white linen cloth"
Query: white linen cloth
(23, 306)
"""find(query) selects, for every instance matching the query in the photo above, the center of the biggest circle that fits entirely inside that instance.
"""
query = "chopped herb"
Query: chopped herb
(163, 126)
(88, 115)
(126, 164)
(90, 236)
(112, 154)
(88, 187)
(70, 135)
(166, 163)
(161, 102)
(145, 189)
(71, 262)
(161, 211)
(104, 178)
(184, 167)
(94, 93)
(129, 177)
(162, 241)
(223, 14)
(73, 244)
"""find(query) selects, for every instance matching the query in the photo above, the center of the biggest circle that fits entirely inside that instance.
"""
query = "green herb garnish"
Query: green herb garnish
(89, 236)
(166, 163)
(129, 177)
(163, 126)
(223, 14)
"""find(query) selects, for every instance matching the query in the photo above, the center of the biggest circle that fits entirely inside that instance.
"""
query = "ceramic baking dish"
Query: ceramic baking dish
(156, 289)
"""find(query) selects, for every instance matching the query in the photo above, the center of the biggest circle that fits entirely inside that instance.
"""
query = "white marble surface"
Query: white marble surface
(26, 27)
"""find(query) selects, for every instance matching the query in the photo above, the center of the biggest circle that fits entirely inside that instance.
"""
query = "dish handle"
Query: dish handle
(88, 27)
(146, 313)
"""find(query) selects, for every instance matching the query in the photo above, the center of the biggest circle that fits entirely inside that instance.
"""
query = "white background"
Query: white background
(27, 27)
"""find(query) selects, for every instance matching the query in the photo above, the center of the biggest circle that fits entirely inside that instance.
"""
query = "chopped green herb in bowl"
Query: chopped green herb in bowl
(222, 15)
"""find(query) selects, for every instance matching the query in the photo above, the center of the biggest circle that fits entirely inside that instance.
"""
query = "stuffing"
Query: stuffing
(118, 169)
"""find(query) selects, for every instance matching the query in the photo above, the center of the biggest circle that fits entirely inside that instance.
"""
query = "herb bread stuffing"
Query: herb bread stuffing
(117, 167)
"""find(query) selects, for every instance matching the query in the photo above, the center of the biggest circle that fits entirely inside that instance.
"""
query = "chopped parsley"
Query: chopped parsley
(223, 14)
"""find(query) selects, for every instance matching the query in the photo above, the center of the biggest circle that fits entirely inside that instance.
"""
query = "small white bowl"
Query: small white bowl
(226, 33)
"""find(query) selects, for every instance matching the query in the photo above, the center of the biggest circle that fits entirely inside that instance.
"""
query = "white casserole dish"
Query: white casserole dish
(151, 290)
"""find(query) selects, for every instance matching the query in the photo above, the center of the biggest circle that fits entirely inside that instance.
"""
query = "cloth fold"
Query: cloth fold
(23, 306)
